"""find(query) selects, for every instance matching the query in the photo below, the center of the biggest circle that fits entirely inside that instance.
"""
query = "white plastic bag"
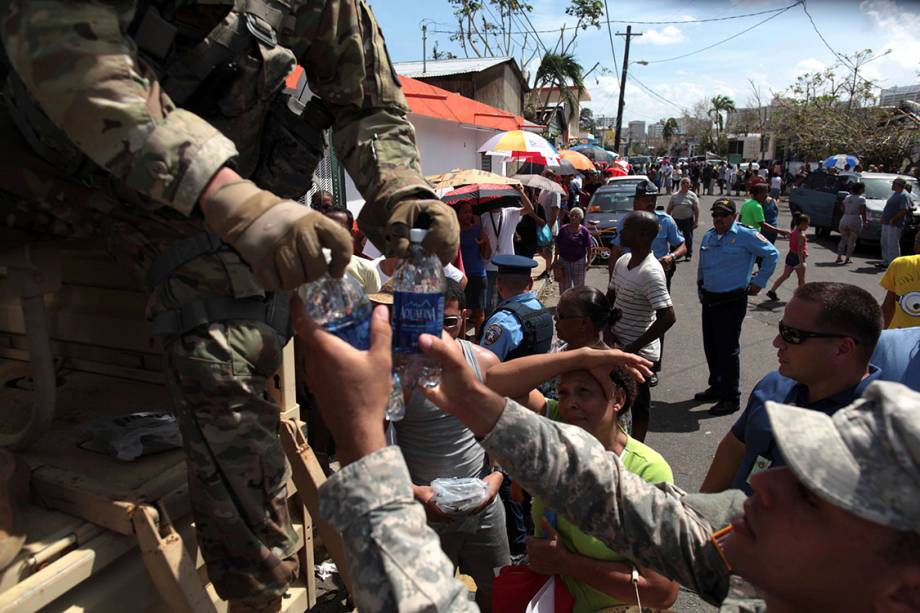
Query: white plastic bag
(459, 496)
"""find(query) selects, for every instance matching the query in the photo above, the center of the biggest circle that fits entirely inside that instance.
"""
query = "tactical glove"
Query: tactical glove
(388, 229)
(280, 239)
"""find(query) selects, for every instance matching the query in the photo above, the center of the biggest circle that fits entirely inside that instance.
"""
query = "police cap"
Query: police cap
(514, 264)
(724, 205)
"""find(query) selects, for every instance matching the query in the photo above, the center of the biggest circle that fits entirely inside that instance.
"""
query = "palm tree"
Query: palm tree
(718, 104)
(561, 70)
(670, 129)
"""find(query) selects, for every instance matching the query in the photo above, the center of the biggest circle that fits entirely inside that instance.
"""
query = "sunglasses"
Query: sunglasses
(451, 320)
(795, 336)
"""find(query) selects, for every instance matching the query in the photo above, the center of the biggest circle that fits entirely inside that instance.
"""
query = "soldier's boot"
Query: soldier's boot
(14, 487)
(236, 606)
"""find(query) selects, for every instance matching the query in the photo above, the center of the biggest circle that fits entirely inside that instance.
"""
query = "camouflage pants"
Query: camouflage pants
(216, 374)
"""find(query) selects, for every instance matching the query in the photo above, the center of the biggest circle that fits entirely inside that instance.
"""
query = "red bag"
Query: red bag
(515, 586)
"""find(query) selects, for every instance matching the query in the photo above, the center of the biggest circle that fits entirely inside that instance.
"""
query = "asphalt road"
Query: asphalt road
(681, 429)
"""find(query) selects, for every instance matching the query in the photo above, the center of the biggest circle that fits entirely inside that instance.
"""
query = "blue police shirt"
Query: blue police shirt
(896, 356)
(753, 427)
(726, 261)
(502, 333)
(669, 235)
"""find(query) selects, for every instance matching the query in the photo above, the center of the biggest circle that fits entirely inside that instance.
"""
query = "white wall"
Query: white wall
(443, 146)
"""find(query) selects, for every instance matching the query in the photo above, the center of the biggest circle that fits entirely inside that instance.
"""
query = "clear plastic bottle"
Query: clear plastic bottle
(342, 308)
(418, 308)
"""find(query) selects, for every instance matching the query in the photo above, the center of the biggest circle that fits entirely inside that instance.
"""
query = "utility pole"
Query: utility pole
(424, 48)
(616, 137)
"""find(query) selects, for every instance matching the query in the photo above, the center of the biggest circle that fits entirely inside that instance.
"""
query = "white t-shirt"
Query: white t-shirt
(499, 226)
(776, 182)
(549, 201)
(639, 293)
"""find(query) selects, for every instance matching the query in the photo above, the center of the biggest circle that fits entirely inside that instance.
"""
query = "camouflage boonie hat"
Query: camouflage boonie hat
(864, 459)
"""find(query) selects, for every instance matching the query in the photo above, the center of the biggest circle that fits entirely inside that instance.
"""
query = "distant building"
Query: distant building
(894, 95)
(656, 131)
(636, 131)
(496, 81)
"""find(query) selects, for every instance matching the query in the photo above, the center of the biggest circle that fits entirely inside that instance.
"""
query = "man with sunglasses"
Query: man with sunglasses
(825, 340)
(436, 444)
(727, 254)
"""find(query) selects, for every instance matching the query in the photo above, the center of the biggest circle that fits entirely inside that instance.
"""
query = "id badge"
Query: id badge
(760, 464)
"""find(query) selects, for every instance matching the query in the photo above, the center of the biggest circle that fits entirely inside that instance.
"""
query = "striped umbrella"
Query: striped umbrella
(521, 145)
(484, 197)
(578, 160)
(841, 161)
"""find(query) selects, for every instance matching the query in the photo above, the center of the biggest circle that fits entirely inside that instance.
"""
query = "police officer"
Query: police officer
(727, 254)
(165, 127)
(520, 325)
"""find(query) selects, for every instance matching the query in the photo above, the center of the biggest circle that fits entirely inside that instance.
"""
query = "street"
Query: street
(681, 429)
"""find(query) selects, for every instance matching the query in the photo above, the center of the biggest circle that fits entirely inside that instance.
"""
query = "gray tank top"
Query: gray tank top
(436, 444)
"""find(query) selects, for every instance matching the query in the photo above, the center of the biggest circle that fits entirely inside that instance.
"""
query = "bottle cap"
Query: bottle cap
(417, 235)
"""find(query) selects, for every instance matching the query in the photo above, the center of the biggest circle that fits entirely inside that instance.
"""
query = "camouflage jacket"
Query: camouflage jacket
(395, 557)
(84, 71)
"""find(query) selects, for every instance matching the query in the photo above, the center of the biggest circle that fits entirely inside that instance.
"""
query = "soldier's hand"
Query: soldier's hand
(389, 231)
(351, 386)
(280, 239)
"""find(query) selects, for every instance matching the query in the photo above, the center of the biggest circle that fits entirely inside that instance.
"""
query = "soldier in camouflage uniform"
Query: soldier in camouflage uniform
(138, 121)
(838, 530)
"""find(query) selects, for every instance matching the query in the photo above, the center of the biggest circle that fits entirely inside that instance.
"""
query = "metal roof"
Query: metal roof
(443, 68)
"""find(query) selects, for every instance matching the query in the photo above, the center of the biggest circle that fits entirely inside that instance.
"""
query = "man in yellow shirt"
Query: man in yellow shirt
(901, 306)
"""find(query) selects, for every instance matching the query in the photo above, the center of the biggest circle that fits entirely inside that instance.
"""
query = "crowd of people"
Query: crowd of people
(598, 376)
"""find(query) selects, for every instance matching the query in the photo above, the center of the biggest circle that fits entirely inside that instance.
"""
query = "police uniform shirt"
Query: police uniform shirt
(502, 333)
(726, 261)
(669, 235)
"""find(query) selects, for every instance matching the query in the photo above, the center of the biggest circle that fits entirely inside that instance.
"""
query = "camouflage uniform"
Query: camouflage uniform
(107, 134)
(384, 531)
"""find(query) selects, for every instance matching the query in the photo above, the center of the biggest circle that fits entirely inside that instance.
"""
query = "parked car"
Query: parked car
(820, 194)
(608, 205)
(627, 179)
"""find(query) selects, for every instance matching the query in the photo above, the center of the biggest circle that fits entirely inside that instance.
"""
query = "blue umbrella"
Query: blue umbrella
(841, 161)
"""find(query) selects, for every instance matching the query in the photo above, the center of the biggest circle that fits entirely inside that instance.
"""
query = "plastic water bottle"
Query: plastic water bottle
(418, 308)
(342, 308)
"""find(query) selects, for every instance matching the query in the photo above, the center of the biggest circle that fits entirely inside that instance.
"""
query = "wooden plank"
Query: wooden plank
(98, 368)
(308, 476)
(282, 386)
(58, 578)
(79, 495)
(149, 359)
(169, 564)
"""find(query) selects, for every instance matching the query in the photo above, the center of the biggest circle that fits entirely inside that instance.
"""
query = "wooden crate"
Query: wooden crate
(82, 551)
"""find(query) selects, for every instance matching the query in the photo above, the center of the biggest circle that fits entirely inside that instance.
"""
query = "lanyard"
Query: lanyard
(501, 220)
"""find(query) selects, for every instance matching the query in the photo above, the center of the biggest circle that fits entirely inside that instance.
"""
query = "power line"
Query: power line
(533, 30)
(656, 94)
(841, 57)
(733, 36)
(610, 36)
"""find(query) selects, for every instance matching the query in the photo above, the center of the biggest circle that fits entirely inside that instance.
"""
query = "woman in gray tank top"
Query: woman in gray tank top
(852, 222)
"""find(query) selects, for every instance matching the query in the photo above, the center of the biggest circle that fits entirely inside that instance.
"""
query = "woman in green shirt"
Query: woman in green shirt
(594, 399)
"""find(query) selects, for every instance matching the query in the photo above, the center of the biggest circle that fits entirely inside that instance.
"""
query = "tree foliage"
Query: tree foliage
(718, 105)
(828, 112)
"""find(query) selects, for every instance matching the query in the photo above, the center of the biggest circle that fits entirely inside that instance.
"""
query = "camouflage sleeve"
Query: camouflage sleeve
(654, 525)
(395, 559)
(347, 64)
(78, 63)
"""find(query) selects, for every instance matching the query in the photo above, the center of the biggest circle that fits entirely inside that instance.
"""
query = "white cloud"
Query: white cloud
(669, 35)
(809, 64)
(897, 25)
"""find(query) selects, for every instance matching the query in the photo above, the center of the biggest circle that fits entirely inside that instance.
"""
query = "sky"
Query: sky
(771, 55)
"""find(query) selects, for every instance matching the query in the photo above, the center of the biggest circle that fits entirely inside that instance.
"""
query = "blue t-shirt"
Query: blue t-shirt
(753, 427)
(473, 265)
(668, 237)
(897, 202)
(896, 355)
(770, 211)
